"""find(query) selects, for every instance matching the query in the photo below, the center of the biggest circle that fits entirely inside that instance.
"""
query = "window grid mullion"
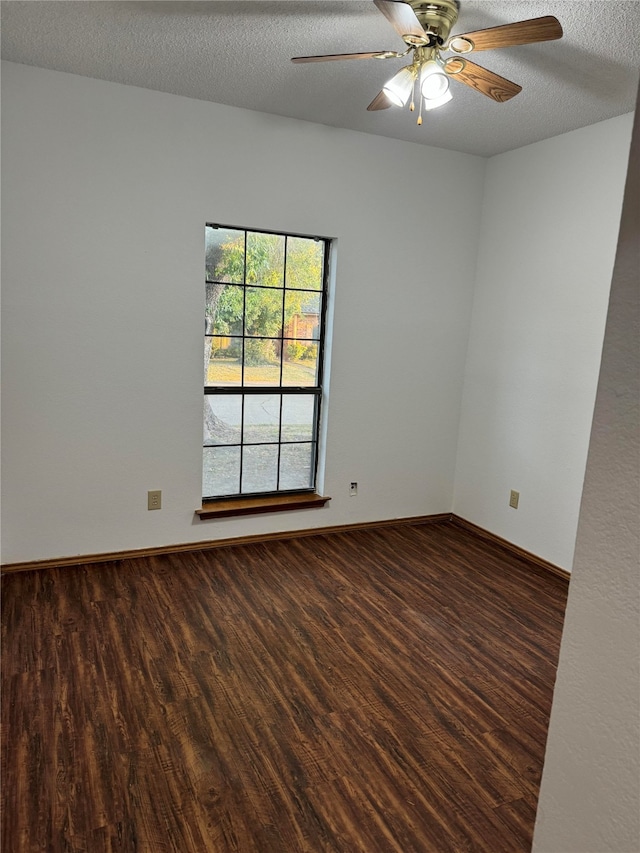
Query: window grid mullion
(282, 331)
(241, 445)
(284, 296)
(244, 309)
(262, 389)
(242, 377)
(279, 442)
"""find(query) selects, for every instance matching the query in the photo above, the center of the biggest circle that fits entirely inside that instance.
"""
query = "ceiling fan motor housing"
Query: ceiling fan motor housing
(436, 18)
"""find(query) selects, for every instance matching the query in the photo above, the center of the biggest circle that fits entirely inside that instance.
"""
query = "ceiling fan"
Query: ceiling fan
(425, 28)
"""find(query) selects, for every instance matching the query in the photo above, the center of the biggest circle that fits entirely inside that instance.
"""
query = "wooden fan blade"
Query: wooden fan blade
(490, 84)
(380, 102)
(403, 19)
(331, 57)
(546, 28)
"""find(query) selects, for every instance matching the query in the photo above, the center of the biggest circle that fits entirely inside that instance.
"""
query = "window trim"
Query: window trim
(269, 501)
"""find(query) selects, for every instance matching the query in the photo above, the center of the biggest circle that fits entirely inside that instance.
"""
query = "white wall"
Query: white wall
(590, 794)
(106, 189)
(550, 221)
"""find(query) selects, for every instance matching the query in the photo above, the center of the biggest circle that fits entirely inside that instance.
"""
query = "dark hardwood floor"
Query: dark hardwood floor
(373, 690)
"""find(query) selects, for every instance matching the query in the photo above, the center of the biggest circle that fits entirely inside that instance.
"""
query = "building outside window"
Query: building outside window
(266, 297)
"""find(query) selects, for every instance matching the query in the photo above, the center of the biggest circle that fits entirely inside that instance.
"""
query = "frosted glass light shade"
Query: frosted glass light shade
(434, 83)
(432, 103)
(398, 89)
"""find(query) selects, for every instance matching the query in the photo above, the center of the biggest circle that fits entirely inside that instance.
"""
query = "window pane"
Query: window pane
(223, 360)
(224, 254)
(221, 471)
(300, 365)
(222, 419)
(302, 315)
(298, 417)
(264, 368)
(296, 465)
(305, 259)
(265, 259)
(263, 312)
(261, 418)
(260, 468)
(225, 307)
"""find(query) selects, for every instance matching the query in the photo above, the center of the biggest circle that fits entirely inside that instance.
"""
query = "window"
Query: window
(266, 297)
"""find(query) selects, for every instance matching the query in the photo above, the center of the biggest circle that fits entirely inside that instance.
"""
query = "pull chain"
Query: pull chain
(412, 105)
(419, 122)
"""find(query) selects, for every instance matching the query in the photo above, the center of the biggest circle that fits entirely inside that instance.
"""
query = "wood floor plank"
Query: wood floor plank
(379, 690)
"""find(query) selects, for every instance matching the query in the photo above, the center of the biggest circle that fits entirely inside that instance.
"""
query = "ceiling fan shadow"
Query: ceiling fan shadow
(472, 19)
(578, 67)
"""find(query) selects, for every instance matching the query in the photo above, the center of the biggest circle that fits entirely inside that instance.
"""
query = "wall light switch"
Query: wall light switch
(513, 499)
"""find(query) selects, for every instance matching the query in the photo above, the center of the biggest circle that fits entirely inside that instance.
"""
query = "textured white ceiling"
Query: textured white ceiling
(238, 53)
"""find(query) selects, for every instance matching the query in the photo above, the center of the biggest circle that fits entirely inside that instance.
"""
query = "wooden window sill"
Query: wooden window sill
(256, 505)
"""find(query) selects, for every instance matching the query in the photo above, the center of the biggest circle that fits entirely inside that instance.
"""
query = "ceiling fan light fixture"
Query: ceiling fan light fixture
(399, 88)
(434, 83)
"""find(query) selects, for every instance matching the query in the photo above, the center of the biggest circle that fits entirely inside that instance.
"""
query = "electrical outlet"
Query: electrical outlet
(154, 500)
(514, 497)
(353, 489)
